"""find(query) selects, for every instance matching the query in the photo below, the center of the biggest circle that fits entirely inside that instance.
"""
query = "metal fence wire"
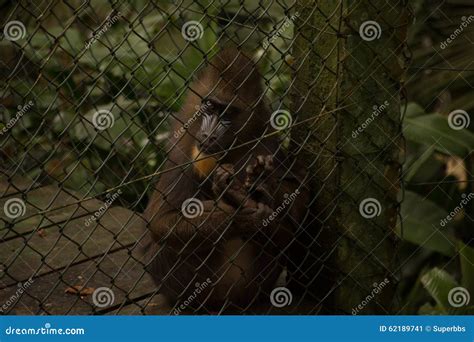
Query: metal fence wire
(94, 99)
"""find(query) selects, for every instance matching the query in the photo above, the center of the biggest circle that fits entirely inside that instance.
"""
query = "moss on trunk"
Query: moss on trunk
(345, 81)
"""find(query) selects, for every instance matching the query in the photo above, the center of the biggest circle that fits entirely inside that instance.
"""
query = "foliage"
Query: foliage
(138, 68)
(439, 161)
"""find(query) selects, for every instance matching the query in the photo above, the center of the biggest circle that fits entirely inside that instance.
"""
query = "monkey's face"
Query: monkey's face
(217, 125)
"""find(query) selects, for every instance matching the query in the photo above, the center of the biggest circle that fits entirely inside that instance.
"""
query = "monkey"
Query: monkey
(229, 161)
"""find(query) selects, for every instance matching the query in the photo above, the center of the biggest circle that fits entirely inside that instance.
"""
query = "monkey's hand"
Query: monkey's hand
(259, 181)
(260, 211)
(228, 188)
(231, 191)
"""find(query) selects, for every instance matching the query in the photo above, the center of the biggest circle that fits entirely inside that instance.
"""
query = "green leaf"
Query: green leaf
(421, 224)
(433, 129)
(428, 309)
(466, 256)
(413, 110)
(438, 283)
(418, 163)
(415, 297)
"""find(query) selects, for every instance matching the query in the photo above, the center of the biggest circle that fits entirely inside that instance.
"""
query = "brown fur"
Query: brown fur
(241, 257)
(203, 165)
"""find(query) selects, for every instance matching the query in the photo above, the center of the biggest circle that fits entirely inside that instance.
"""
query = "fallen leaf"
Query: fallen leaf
(80, 290)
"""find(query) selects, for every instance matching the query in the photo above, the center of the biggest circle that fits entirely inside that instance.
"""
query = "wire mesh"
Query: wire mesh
(91, 96)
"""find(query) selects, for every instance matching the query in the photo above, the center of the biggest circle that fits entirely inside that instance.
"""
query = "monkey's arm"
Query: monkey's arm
(216, 220)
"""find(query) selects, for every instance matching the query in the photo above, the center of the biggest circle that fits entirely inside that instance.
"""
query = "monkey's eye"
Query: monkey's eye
(222, 109)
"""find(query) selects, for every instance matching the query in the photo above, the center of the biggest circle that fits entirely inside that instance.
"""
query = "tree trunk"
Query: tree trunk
(346, 107)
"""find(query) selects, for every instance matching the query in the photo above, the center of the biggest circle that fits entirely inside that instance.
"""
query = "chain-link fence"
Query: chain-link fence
(103, 112)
